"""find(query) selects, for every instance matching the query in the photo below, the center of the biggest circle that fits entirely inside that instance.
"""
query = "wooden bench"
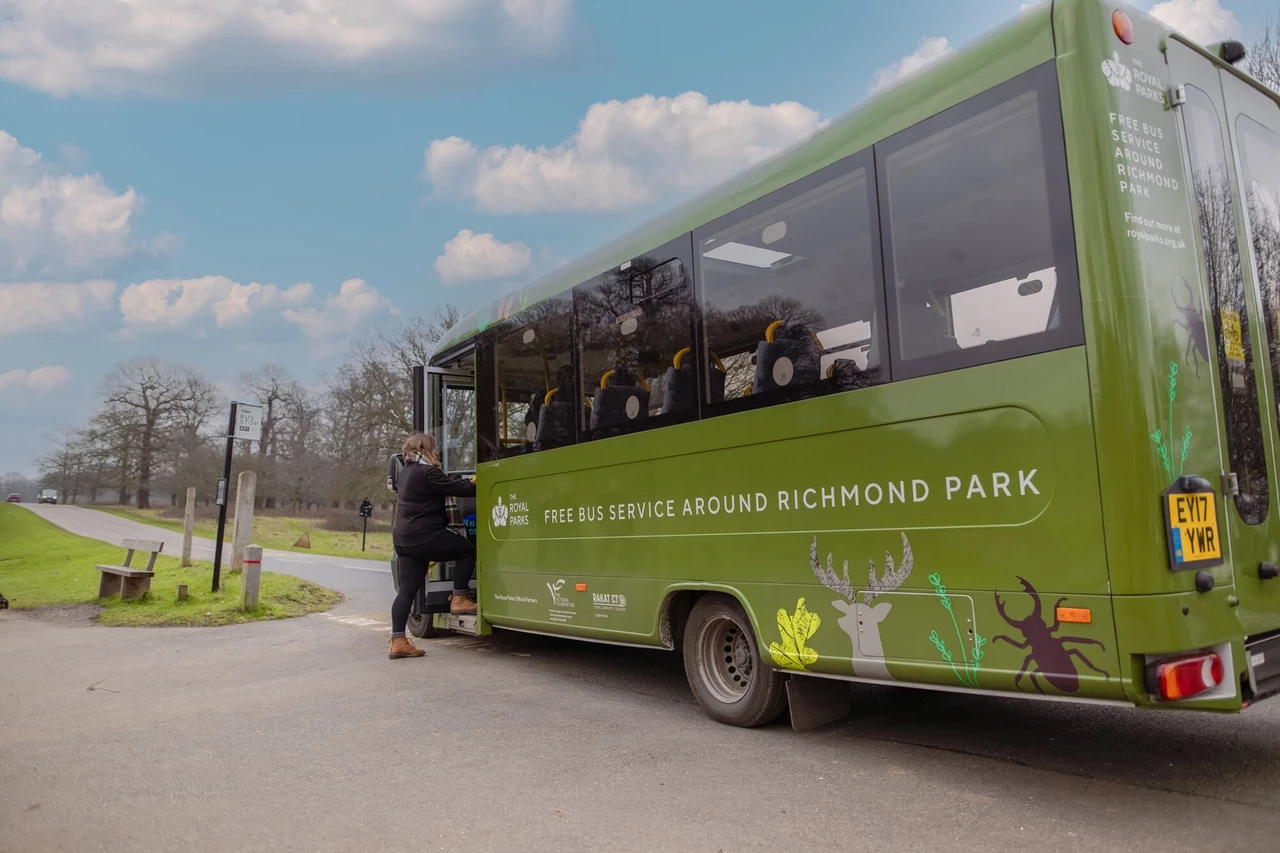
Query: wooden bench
(129, 583)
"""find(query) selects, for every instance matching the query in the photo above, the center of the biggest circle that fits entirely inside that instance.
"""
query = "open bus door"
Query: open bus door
(444, 407)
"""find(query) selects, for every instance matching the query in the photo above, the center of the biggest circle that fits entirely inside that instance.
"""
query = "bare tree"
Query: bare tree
(1262, 59)
(368, 405)
(271, 386)
(154, 402)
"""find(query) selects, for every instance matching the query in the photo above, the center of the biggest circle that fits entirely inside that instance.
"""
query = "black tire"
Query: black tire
(723, 666)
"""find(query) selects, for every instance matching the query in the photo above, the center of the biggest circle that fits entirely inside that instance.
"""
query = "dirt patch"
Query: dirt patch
(70, 615)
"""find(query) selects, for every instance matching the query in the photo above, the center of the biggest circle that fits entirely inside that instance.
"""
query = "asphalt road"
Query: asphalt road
(301, 735)
(366, 583)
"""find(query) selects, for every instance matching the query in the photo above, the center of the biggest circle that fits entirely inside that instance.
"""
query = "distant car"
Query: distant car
(14, 498)
(47, 496)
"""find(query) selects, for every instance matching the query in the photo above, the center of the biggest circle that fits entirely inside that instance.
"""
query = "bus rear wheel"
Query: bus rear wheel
(722, 663)
(421, 625)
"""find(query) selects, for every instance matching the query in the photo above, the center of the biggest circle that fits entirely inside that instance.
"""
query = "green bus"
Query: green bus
(975, 390)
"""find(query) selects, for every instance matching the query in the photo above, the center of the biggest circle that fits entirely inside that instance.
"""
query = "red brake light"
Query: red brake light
(1123, 26)
(1183, 678)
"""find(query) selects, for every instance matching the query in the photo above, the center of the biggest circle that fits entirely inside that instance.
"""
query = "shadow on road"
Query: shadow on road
(1231, 758)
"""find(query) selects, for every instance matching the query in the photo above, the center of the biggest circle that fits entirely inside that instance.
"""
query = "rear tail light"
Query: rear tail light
(1183, 678)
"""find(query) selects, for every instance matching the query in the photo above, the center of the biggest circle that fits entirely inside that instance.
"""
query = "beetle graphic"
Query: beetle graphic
(1048, 654)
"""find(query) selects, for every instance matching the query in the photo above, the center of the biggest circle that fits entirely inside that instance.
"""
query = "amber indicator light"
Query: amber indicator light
(1123, 26)
(1083, 615)
(582, 587)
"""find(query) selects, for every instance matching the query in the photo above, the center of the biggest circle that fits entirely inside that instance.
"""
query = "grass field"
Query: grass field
(42, 565)
(277, 532)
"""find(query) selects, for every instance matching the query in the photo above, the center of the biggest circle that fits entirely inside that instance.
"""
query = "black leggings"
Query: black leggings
(413, 562)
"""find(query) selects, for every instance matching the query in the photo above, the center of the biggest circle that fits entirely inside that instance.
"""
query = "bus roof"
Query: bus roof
(1021, 44)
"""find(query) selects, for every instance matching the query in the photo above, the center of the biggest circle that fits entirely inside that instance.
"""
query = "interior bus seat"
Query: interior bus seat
(789, 355)
(926, 330)
(531, 416)
(623, 397)
(846, 375)
(680, 388)
(555, 422)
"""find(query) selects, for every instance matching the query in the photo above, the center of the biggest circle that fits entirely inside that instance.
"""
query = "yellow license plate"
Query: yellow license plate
(1193, 525)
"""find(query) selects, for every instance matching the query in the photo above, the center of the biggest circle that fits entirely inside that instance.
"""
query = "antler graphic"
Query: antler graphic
(827, 577)
(892, 579)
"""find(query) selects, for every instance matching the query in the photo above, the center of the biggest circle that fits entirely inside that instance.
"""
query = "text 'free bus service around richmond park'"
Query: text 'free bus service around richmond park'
(975, 390)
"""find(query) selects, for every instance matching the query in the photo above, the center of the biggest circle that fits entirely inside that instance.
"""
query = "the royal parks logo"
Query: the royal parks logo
(556, 598)
(1118, 74)
(513, 513)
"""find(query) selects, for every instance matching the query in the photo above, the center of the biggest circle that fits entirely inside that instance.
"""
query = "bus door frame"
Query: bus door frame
(437, 380)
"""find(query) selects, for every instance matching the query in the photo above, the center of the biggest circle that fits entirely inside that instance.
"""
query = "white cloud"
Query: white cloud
(52, 223)
(167, 303)
(623, 154)
(1202, 20)
(41, 380)
(35, 305)
(929, 52)
(350, 309)
(172, 48)
(481, 257)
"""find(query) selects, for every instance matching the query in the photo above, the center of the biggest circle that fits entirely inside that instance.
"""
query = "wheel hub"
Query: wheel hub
(726, 661)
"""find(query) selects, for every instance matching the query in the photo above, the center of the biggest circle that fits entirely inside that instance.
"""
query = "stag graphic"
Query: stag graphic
(862, 621)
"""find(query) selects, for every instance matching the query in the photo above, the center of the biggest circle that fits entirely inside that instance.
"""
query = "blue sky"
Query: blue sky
(266, 180)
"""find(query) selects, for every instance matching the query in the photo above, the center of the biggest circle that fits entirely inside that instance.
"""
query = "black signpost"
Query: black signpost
(222, 498)
(246, 425)
(366, 510)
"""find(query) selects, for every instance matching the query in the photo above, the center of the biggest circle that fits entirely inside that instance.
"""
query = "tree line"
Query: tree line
(160, 426)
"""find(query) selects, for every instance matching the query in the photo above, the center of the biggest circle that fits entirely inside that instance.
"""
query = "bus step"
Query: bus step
(463, 624)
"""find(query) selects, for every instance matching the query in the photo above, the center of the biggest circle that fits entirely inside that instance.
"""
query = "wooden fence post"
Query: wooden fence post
(242, 526)
(252, 579)
(188, 525)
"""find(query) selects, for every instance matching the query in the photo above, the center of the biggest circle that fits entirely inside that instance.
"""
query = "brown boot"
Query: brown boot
(403, 647)
(460, 605)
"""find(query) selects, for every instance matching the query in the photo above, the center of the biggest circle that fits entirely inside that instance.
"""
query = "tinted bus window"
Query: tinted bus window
(1260, 161)
(979, 247)
(793, 302)
(635, 338)
(536, 393)
(1221, 254)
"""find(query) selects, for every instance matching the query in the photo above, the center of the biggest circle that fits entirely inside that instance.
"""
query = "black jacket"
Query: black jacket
(420, 512)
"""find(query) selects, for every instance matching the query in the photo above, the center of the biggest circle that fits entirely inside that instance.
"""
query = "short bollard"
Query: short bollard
(252, 578)
(182, 592)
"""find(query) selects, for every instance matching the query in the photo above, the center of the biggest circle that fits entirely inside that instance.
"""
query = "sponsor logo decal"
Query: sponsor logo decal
(608, 601)
(556, 598)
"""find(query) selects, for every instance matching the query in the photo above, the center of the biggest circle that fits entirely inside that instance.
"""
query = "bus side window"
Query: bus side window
(978, 240)
(534, 397)
(635, 335)
(791, 289)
